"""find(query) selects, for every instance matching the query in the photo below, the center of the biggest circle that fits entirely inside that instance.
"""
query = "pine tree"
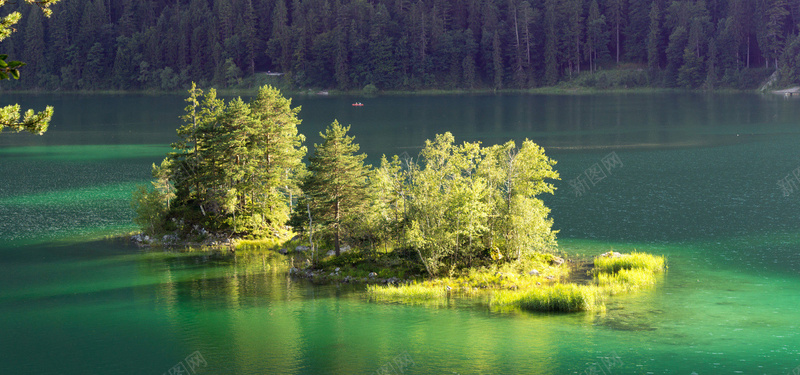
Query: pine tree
(237, 163)
(654, 38)
(336, 186)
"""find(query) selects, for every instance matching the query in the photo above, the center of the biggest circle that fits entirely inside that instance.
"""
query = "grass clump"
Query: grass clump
(551, 298)
(611, 263)
(414, 291)
(625, 280)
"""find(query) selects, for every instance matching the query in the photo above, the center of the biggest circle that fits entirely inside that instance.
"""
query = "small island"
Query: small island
(459, 220)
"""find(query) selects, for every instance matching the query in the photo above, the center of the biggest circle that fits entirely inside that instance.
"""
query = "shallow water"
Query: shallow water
(697, 183)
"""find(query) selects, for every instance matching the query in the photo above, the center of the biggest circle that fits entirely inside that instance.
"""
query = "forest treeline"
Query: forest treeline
(405, 44)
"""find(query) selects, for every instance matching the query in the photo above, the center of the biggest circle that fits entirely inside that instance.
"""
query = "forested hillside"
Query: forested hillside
(404, 44)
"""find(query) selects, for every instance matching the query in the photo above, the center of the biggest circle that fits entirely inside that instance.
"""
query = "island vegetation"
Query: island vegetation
(406, 45)
(457, 219)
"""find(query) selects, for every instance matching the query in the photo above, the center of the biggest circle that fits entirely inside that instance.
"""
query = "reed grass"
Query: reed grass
(414, 291)
(551, 298)
(625, 281)
(634, 260)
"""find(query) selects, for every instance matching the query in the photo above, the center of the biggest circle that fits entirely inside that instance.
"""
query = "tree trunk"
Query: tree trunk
(311, 235)
(617, 42)
(336, 239)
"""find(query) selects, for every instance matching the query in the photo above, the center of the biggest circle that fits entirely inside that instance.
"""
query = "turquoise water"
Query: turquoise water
(697, 183)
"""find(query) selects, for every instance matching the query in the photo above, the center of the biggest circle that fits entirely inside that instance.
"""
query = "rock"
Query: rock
(301, 249)
(336, 270)
(345, 248)
(392, 280)
(549, 277)
(372, 275)
(533, 273)
(293, 270)
(448, 287)
(169, 239)
(330, 253)
(611, 254)
(557, 261)
(283, 251)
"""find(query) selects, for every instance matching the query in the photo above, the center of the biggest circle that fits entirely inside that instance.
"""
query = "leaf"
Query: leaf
(3, 75)
(15, 73)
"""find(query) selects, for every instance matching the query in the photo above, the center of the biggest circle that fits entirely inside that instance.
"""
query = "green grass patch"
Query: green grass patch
(625, 281)
(551, 298)
(635, 260)
(414, 291)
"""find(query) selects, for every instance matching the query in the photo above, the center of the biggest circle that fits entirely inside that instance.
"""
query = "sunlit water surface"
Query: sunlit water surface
(698, 182)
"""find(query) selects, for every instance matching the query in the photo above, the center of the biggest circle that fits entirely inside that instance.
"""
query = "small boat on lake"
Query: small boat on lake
(358, 104)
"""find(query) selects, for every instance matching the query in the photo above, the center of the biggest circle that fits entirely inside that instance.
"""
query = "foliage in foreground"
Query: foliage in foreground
(10, 117)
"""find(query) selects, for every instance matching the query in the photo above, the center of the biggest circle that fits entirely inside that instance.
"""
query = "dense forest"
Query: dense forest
(404, 44)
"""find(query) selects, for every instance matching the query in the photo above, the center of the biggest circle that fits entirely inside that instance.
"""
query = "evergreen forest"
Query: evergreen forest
(403, 44)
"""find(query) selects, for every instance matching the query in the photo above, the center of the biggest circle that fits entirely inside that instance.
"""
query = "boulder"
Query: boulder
(283, 251)
(301, 249)
(330, 253)
(372, 275)
(533, 273)
(557, 261)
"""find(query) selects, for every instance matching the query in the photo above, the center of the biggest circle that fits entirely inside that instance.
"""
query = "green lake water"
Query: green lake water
(697, 181)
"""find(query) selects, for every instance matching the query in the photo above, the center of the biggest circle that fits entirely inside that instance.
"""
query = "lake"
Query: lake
(695, 178)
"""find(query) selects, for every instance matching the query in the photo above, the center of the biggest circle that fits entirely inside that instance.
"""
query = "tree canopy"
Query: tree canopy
(236, 165)
(237, 169)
